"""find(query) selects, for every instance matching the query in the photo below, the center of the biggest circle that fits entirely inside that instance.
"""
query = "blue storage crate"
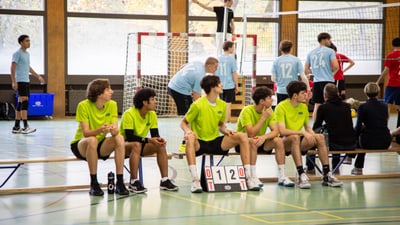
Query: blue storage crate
(40, 104)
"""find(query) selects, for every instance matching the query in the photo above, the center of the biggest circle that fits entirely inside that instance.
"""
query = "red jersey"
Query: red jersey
(392, 62)
(339, 75)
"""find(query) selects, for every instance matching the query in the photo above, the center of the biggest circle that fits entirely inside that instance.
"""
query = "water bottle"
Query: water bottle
(111, 185)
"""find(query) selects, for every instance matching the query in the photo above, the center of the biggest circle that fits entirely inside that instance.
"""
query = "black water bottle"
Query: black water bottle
(111, 184)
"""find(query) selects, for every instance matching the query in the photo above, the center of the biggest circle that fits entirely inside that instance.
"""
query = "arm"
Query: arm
(335, 66)
(87, 132)
(232, 27)
(40, 78)
(206, 7)
(383, 75)
(305, 80)
(351, 64)
(236, 79)
(13, 80)
(307, 69)
(252, 130)
(286, 132)
(196, 95)
(223, 130)
(318, 120)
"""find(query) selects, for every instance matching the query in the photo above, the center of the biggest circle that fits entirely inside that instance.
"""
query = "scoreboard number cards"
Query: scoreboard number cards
(224, 178)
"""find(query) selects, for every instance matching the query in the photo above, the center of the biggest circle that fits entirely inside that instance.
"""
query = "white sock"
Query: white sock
(253, 171)
(133, 180)
(164, 179)
(247, 170)
(281, 171)
(193, 171)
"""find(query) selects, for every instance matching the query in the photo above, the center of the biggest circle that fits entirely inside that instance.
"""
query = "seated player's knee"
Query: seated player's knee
(92, 142)
(294, 139)
(241, 137)
(319, 138)
(278, 143)
(24, 105)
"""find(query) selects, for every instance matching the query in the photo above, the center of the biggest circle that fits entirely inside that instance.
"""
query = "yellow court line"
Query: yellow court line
(365, 209)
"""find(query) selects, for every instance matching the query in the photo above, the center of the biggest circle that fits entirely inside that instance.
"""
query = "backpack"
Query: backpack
(7, 111)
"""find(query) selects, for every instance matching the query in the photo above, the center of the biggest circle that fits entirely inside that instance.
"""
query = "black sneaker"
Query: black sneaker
(95, 190)
(168, 185)
(121, 189)
(16, 130)
(137, 187)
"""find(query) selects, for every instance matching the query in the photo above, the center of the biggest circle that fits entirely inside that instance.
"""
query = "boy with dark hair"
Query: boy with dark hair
(322, 63)
(201, 124)
(292, 116)
(254, 121)
(20, 69)
(286, 68)
(98, 116)
(136, 123)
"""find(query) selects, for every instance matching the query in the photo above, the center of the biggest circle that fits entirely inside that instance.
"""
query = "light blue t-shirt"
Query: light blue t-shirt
(320, 63)
(226, 66)
(286, 68)
(21, 58)
(188, 78)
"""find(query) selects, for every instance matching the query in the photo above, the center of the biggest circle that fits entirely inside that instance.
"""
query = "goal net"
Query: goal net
(358, 29)
(152, 59)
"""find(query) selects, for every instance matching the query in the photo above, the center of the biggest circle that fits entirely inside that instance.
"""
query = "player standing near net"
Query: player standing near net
(20, 69)
(254, 121)
(97, 116)
(298, 137)
(136, 122)
(339, 75)
(201, 124)
(322, 63)
(230, 24)
(286, 68)
(392, 91)
(184, 87)
(227, 72)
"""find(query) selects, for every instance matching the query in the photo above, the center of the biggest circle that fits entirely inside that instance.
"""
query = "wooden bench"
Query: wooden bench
(15, 164)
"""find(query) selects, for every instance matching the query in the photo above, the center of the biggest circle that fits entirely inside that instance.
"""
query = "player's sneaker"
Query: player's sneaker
(331, 181)
(16, 130)
(137, 187)
(95, 190)
(258, 182)
(121, 189)
(168, 185)
(286, 182)
(302, 182)
(28, 130)
(357, 171)
(348, 160)
(196, 187)
(252, 186)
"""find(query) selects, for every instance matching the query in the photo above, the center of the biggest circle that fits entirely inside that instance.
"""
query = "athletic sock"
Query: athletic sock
(120, 179)
(193, 171)
(247, 170)
(93, 179)
(253, 171)
(281, 171)
(325, 169)
(300, 170)
(25, 123)
(17, 122)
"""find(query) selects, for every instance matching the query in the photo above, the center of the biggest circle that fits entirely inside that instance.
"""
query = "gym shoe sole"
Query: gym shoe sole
(28, 130)
(168, 186)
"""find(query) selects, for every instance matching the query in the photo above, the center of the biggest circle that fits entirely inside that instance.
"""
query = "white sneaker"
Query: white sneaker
(196, 186)
(286, 182)
(331, 181)
(28, 130)
(348, 160)
(258, 182)
(251, 185)
(302, 182)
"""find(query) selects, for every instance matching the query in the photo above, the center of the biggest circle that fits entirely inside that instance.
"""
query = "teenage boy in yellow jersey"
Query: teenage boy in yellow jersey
(201, 124)
(254, 120)
(292, 116)
(136, 123)
(98, 116)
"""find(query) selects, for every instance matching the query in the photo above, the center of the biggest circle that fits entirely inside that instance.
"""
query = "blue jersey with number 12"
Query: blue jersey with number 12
(286, 68)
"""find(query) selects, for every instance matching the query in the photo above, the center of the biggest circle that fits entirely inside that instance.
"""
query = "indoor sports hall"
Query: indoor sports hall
(138, 44)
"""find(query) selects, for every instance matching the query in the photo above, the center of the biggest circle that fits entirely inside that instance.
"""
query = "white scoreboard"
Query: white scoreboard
(224, 178)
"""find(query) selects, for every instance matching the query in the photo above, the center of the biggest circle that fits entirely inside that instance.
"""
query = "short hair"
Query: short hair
(143, 94)
(323, 36)
(95, 88)
(294, 87)
(285, 46)
(21, 38)
(209, 82)
(331, 91)
(396, 42)
(211, 61)
(332, 46)
(372, 89)
(261, 93)
(227, 45)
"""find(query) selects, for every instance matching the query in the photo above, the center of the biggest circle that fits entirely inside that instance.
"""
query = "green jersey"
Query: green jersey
(294, 117)
(205, 117)
(249, 116)
(132, 120)
(88, 112)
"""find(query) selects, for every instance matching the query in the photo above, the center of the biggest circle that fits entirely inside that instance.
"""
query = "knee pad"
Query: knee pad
(18, 106)
(24, 105)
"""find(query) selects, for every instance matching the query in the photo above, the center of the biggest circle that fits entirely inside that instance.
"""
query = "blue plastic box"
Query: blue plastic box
(40, 104)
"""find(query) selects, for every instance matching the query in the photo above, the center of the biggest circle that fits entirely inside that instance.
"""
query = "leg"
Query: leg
(193, 145)
(228, 112)
(314, 114)
(180, 101)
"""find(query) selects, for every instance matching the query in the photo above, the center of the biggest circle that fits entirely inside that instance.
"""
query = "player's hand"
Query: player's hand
(41, 80)
(266, 113)
(258, 140)
(105, 128)
(14, 86)
(230, 132)
(190, 133)
(236, 90)
(158, 141)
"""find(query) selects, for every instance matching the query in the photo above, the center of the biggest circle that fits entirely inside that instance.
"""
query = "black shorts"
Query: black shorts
(318, 92)
(341, 86)
(281, 97)
(212, 147)
(75, 151)
(23, 89)
(228, 95)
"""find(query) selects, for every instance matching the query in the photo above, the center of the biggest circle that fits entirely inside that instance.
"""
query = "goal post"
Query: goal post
(153, 58)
